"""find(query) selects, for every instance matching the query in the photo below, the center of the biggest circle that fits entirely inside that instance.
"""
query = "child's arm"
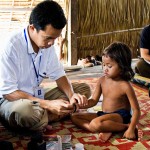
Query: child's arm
(130, 133)
(95, 96)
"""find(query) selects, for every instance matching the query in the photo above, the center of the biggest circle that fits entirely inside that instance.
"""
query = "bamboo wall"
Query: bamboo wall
(14, 14)
(100, 22)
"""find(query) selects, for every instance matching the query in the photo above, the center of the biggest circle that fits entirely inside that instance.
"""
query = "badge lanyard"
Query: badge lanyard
(36, 72)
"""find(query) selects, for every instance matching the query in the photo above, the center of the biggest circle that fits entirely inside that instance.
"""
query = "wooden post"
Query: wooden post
(72, 33)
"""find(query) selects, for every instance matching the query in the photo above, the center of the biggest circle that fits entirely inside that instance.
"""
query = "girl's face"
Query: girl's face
(110, 67)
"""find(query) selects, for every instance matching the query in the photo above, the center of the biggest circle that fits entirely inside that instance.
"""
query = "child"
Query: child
(118, 97)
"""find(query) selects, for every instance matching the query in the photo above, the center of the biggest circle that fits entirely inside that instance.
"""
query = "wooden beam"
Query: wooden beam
(72, 33)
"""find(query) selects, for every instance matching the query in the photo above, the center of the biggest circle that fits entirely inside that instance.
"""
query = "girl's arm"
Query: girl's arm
(96, 94)
(130, 133)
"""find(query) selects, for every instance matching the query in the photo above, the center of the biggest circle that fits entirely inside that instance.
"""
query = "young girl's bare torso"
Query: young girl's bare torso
(114, 94)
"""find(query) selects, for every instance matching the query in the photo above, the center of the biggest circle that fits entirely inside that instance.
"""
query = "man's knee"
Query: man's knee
(141, 64)
(82, 88)
(29, 115)
(143, 68)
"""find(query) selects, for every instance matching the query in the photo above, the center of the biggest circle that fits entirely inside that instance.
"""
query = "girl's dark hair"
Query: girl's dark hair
(121, 53)
(47, 12)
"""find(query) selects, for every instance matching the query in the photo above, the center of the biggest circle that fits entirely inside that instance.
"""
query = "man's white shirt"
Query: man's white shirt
(17, 71)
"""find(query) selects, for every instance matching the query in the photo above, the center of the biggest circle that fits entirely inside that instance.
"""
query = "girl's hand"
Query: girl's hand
(129, 134)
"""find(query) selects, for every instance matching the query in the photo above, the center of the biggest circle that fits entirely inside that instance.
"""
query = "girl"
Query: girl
(118, 97)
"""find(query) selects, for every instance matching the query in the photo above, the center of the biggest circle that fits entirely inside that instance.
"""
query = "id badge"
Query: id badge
(39, 92)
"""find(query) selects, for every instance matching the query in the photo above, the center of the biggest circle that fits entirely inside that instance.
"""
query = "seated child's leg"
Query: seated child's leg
(106, 124)
(83, 119)
(104, 136)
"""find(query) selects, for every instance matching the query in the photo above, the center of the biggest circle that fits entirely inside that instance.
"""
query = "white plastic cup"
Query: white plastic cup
(59, 142)
(79, 146)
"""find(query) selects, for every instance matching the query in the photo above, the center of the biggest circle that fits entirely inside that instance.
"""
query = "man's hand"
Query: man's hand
(59, 106)
(79, 99)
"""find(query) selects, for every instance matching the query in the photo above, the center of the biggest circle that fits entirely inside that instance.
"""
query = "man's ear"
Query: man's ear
(32, 28)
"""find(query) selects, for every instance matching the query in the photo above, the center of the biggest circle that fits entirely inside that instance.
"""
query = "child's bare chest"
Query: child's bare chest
(114, 98)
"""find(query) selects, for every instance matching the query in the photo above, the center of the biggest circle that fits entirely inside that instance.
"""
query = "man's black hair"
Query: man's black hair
(48, 13)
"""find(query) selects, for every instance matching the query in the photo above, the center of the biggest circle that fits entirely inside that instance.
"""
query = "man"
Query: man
(143, 65)
(27, 58)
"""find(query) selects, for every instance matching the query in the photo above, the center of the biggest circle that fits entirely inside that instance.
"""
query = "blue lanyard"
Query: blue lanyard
(36, 72)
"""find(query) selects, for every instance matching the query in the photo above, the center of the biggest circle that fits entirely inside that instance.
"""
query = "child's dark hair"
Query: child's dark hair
(121, 53)
(47, 12)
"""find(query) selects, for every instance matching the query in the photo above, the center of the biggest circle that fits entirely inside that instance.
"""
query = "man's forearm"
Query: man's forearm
(145, 54)
(22, 95)
(65, 86)
(19, 95)
(146, 57)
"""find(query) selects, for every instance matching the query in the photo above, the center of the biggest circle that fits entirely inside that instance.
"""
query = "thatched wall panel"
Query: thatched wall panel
(100, 22)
